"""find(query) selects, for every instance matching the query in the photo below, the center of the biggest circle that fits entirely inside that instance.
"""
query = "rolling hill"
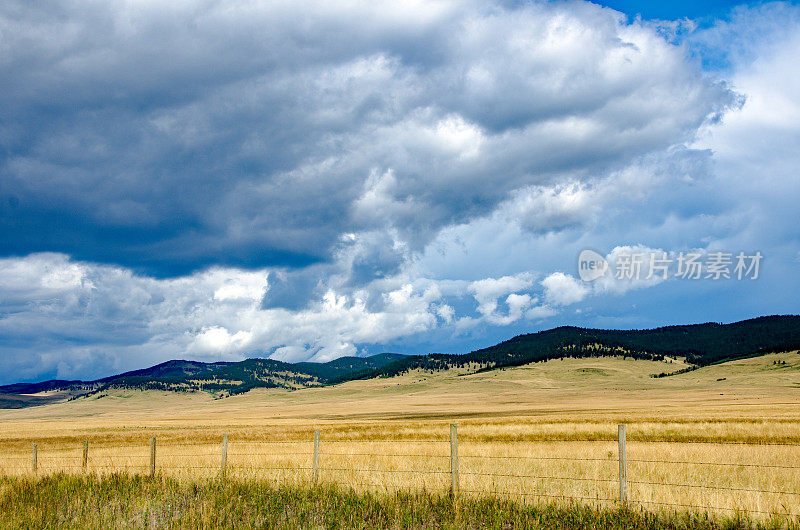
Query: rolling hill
(220, 378)
(697, 344)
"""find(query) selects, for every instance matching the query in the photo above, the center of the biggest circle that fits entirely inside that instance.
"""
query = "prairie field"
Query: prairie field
(722, 440)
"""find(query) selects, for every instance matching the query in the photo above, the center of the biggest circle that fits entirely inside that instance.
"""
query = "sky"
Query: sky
(702, 11)
(308, 180)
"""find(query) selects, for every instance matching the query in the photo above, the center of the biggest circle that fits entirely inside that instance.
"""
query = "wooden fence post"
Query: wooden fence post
(35, 461)
(453, 460)
(623, 465)
(85, 460)
(153, 456)
(315, 469)
(224, 463)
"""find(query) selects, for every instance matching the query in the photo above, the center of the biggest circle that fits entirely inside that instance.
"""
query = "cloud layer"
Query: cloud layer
(313, 180)
(170, 137)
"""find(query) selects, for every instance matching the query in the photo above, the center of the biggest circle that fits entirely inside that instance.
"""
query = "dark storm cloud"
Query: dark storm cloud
(217, 181)
(167, 137)
(292, 290)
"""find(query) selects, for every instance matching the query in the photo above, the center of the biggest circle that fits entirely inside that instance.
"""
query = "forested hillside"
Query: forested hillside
(700, 344)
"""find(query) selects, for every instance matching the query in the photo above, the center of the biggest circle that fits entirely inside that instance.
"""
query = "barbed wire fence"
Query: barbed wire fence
(318, 460)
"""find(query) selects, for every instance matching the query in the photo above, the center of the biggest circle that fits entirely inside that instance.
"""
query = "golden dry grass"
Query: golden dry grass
(545, 431)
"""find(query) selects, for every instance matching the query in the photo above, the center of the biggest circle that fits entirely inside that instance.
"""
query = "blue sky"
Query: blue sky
(696, 10)
(311, 180)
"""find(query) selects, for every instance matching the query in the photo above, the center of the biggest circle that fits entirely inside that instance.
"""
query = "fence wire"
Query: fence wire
(112, 458)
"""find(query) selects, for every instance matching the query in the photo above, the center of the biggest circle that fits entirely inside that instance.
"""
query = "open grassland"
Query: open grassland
(721, 439)
(123, 501)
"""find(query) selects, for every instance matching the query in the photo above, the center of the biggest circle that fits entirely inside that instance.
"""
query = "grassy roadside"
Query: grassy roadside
(115, 501)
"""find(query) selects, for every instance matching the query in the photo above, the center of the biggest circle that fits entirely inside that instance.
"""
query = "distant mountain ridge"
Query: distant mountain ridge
(700, 344)
(227, 377)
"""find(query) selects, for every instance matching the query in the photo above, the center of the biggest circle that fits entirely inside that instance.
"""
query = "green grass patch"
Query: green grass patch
(116, 501)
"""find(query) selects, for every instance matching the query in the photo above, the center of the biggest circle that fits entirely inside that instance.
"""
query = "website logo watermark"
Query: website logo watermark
(591, 265)
(660, 265)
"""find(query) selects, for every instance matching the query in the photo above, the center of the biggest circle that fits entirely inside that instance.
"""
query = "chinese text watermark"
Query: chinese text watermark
(663, 266)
